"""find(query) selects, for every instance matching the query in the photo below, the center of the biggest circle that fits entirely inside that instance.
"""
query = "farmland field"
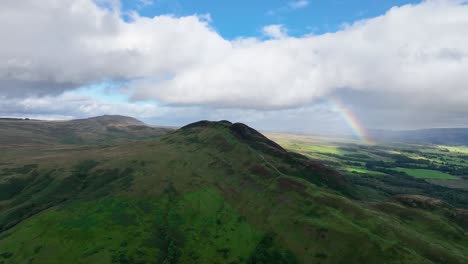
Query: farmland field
(387, 166)
(458, 149)
(427, 174)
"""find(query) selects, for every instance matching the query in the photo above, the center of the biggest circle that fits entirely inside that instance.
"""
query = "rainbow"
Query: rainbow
(351, 120)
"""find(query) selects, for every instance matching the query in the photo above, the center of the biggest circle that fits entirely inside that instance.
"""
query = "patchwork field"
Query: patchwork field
(378, 165)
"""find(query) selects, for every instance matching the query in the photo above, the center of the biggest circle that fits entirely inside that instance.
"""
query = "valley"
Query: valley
(378, 165)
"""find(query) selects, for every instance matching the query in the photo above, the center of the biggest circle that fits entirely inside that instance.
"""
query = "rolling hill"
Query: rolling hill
(210, 192)
(97, 130)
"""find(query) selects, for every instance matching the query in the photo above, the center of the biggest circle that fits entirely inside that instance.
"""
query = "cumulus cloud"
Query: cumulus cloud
(415, 51)
(79, 42)
(69, 105)
(418, 53)
(275, 31)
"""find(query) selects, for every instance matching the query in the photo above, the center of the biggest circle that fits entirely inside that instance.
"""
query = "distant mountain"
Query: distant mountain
(97, 130)
(442, 136)
(210, 192)
(110, 120)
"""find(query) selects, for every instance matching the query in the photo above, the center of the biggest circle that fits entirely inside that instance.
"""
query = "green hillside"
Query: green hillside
(211, 192)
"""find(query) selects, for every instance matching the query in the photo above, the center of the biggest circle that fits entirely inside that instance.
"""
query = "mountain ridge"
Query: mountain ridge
(96, 130)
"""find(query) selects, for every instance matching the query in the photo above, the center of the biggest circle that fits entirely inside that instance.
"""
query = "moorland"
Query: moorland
(218, 192)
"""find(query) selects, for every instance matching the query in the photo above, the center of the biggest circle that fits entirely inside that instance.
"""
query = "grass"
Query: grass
(313, 148)
(456, 149)
(206, 196)
(360, 170)
(199, 226)
(427, 174)
(304, 144)
(352, 157)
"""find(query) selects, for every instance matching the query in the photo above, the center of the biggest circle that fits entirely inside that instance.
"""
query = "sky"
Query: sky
(305, 66)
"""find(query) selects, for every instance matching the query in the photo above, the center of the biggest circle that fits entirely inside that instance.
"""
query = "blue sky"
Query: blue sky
(243, 18)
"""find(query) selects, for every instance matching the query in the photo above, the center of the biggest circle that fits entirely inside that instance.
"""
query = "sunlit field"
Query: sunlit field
(352, 157)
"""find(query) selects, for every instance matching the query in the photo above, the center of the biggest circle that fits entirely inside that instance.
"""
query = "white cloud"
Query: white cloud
(76, 42)
(73, 105)
(417, 51)
(275, 31)
(299, 4)
(414, 51)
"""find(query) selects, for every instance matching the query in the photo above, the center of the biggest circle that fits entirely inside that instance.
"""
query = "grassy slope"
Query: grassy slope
(459, 184)
(202, 195)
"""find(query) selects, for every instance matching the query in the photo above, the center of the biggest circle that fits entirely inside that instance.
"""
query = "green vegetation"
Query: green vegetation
(458, 149)
(216, 192)
(436, 162)
(266, 253)
(135, 230)
(382, 171)
(427, 174)
(359, 170)
(298, 147)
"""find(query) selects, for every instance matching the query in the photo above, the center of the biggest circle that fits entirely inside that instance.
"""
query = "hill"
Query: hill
(441, 136)
(98, 130)
(210, 192)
